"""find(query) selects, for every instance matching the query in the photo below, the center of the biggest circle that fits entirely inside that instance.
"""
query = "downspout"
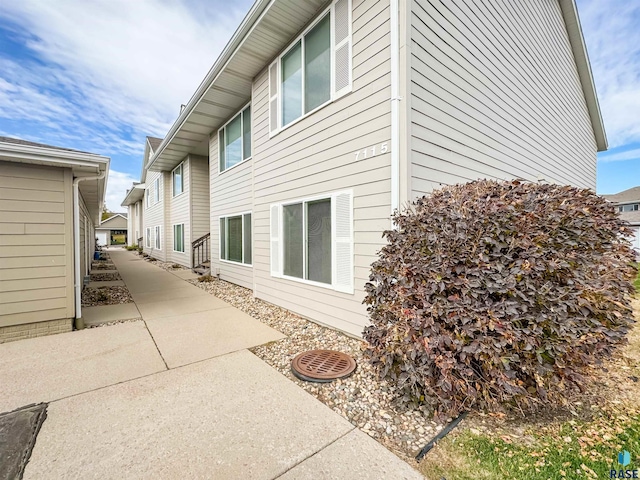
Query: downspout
(78, 281)
(395, 106)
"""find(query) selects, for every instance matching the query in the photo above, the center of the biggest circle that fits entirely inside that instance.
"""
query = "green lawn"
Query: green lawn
(584, 447)
(574, 450)
(636, 283)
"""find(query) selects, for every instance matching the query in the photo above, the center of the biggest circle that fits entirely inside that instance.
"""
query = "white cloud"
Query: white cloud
(109, 73)
(117, 184)
(613, 41)
(620, 156)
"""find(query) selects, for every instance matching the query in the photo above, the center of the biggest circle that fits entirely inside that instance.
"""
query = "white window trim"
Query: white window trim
(332, 94)
(332, 196)
(220, 172)
(147, 238)
(220, 240)
(174, 239)
(173, 193)
(157, 240)
(156, 191)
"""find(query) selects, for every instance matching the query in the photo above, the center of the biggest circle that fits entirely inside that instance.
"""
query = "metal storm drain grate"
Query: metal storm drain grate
(322, 365)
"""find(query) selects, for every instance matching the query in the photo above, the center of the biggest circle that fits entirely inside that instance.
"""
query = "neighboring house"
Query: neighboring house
(320, 119)
(628, 205)
(135, 226)
(50, 200)
(113, 230)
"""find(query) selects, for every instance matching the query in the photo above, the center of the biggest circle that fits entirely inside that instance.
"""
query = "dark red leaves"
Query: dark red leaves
(499, 292)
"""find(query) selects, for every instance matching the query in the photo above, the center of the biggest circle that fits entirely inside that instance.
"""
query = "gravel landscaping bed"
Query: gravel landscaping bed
(170, 266)
(95, 297)
(105, 277)
(103, 266)
(363, 399)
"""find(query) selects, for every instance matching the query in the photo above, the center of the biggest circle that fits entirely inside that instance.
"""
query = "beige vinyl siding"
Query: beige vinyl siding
(155, 215)
(495, 94)
(135, 226)
(316, 156)
(179, 214)
(200, 199)
(86, 235)
(231, 194)
(36, 265)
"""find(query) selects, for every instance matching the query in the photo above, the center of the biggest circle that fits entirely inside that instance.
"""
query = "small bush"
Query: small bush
(176, 265)
(131, 248)
(205, 278)
(494, 293)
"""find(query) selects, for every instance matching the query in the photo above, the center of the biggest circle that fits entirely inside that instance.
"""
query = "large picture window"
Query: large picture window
(306, 72)
(158, 237)
(178, 238)
(177, 180)
(235, 238)
(312, 241)
(307, 240)
(235, 140)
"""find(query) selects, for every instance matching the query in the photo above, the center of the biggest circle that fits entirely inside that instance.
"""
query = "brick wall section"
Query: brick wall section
(31, 330)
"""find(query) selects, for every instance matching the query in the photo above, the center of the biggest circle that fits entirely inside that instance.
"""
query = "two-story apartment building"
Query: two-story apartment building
(173, 208)
(319, 119)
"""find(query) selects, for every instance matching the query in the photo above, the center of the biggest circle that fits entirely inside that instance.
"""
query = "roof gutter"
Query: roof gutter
(236, 40)
(579, 49)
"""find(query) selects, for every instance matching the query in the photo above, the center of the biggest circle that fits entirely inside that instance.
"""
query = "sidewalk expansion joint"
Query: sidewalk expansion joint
(317, 452)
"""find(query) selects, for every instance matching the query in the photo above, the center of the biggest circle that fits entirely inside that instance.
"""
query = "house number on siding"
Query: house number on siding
(372, 151)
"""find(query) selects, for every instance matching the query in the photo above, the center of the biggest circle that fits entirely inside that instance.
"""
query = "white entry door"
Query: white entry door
(102, 238)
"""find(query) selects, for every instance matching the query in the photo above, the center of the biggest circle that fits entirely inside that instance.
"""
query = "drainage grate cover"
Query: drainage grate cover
(322, 365)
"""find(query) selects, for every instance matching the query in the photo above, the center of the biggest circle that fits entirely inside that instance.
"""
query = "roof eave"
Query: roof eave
(247, 23)
(578, 46)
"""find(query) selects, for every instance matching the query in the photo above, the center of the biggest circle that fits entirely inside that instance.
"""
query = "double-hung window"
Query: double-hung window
(312, 241)
(314, 70)
(178, 238)
(234, 139)
(235, 238)
(147, 237)
(177, 180)
(156, 190)
(158, 230)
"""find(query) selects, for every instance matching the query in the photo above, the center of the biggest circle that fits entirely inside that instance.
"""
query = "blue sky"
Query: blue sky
(100, 76)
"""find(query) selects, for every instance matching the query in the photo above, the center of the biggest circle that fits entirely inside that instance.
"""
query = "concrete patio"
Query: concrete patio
(178, 395)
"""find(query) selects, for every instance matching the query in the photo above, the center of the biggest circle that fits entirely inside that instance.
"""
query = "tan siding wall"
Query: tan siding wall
(200, 198)
(231, 193)
(495, 94)
(36, 267)
(317, 156)
(155, 215)
(179, 213)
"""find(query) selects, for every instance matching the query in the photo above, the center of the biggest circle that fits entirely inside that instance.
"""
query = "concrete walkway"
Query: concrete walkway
(177, 395)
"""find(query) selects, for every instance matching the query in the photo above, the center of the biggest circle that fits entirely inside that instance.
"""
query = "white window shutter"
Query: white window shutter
(342, 43)
(274, 85)
(275, 241)
(343, 244)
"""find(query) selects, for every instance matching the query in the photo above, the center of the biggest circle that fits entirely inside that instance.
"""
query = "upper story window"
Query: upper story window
(156, 190)
(314, 70)
(177, 180)
(234, 139)
(629, 208)
(306, 73)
